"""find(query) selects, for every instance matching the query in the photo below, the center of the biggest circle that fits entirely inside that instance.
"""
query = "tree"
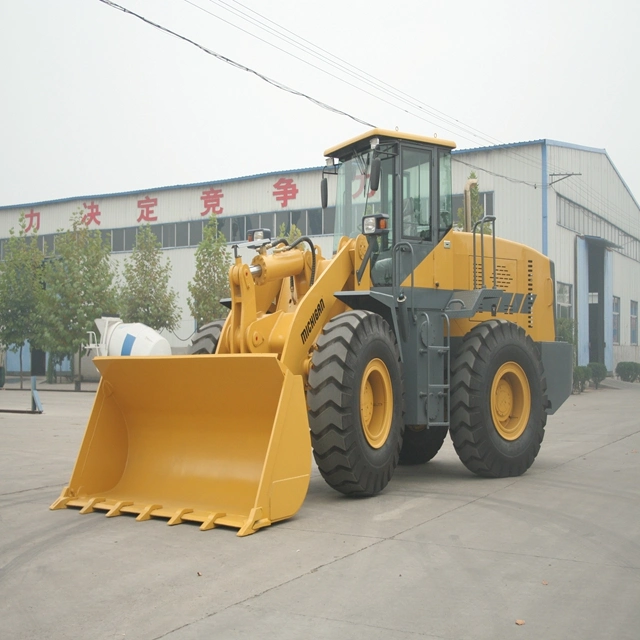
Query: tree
(145, 295)
(79, 288)
(211, 280)
(291, 236)
(477, 208)
(20, 291)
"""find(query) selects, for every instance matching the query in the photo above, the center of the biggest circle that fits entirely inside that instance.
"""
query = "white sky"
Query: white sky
(94, 101)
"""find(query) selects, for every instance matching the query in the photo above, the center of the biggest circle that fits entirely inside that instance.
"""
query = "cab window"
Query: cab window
(416, 194)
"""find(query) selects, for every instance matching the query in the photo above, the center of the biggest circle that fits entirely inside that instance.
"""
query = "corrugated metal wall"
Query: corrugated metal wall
(514, 174)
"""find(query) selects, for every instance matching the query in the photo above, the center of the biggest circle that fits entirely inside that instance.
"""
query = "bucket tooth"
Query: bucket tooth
(116, 510)
(90, 506)
(147, 512)
(176, 518)
(254, 522)
(61, 502)
(210, 522)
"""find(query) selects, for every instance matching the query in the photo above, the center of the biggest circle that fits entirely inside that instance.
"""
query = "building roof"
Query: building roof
(154, 189)
(510, 145)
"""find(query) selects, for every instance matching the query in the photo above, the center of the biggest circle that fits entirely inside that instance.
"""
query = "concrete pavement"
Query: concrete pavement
(439, 554)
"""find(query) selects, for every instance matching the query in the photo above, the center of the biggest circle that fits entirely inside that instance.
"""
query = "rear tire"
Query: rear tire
(421, 444)
(498, 400)
(355, 400)
(205, 341)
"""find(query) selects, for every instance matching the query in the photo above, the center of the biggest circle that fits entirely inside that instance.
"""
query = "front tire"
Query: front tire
(355, 400)
(498, 400)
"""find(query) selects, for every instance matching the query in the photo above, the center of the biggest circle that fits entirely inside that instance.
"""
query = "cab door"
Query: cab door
(416, 225)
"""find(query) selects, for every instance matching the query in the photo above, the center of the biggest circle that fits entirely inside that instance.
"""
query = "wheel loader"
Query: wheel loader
(412, 329)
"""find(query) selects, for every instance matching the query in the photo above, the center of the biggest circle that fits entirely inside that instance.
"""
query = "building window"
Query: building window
(130, 238)
(616, 320)
(168, 235)
(182, 234)
(299, 218)
(195, 233)
(634, 322)
(45, 244)
(267, 221)
(457, 204)
(329, 220)
(252, 222)
(315, 222)
(283, 224)
(117, 239)
(156, 229)
(564, 307)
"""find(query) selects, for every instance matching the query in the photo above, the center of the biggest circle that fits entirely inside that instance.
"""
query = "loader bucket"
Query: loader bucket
(219, 440)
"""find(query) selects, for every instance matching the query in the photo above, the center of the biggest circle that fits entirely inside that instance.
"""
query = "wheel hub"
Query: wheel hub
(510, 401)
(376, 403)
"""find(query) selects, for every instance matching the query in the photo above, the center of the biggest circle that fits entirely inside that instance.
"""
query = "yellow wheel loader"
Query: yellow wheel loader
(409, 331)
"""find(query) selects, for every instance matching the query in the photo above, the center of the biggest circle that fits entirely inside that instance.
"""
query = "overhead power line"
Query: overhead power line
(400, 99)
(356, 77)
(580, 186)
(237, 65)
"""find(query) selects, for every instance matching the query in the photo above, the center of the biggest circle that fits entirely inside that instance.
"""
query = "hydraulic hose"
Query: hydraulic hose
(313, 255)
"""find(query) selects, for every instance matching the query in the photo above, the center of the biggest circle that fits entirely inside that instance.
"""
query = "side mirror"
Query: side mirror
(374, 179)
(324, 193)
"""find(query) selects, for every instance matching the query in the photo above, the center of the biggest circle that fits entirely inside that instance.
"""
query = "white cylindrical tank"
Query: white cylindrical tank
(134, 339)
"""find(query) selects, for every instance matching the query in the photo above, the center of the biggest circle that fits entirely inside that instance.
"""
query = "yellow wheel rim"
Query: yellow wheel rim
(376, 403)
(510, 401)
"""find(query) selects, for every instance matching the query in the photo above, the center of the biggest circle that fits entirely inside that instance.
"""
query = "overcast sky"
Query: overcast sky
(95, 101)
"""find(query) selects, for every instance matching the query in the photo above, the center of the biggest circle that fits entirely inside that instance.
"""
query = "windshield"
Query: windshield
(354, 197)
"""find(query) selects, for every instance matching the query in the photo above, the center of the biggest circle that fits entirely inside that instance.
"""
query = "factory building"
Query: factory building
(567, 201)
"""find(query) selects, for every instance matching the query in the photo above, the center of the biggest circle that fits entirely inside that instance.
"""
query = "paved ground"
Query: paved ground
(440, 554)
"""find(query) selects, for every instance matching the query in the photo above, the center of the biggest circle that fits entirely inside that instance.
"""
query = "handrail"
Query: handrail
(403, 246)
(480, 223)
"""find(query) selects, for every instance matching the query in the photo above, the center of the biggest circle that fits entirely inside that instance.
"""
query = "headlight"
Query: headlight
(258, 235)
(375, 225)
(369, 225)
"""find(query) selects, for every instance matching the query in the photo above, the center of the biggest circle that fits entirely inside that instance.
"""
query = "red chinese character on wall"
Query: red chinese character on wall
(34, 221)
(285, 190)
(211, 199)
(92, 214)
(362, 179)
(146, 206)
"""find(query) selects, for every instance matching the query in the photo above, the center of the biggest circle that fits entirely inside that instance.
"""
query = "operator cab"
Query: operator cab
(400, 186)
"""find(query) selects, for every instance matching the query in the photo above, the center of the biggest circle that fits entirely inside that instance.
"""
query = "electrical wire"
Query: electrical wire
(356, 72)
(237, 65)
(578, 186)
(338, 63)
(342, 66)
(314, 66)
(535, 185)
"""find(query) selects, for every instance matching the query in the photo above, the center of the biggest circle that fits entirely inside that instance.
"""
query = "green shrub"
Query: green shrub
(565, 330)
(628, 371)
(598, 372)
(581, 375)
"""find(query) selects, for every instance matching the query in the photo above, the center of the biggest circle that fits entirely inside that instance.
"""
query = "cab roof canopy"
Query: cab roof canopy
(362, 142)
